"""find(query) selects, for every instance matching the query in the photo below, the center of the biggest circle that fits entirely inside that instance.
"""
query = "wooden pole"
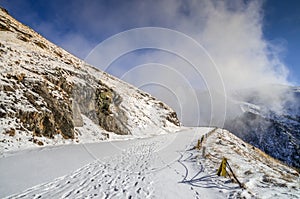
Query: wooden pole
(240, 184)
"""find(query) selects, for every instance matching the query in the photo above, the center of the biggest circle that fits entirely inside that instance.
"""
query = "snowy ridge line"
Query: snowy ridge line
(203, 138)
(262, 175)
(193, 172)
(50, 97)
(212, 179)
(208, 155)
(273, 129)
(210, 132)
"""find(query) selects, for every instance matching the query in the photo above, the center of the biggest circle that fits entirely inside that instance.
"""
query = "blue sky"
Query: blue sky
(79, 25)
(282, 24)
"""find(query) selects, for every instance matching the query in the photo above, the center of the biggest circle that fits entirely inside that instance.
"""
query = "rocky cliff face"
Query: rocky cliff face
(276, 133)
(45, 92)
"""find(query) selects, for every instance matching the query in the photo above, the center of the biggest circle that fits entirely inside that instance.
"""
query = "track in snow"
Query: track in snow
(158, 167)
(124, 176)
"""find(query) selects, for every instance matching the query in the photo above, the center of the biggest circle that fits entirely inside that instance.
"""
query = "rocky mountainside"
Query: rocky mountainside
(276, 133)
(48, 94)
(274, 130)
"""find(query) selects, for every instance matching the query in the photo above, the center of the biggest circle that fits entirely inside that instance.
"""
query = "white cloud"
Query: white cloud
(231, 31)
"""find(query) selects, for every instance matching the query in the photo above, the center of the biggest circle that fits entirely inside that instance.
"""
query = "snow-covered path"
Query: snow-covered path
(158, 167)
(123, 175)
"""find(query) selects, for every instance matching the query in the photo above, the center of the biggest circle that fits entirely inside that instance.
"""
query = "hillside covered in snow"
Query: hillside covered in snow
(68, 130)
(49, 96)
(277, 133)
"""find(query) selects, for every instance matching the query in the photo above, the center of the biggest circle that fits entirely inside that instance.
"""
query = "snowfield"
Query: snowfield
(164, 166)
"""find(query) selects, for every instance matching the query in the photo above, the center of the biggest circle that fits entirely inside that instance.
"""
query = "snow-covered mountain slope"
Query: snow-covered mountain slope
(276, 133)
(164, 166)
(48, 96)
(251, 115)
(261, 175)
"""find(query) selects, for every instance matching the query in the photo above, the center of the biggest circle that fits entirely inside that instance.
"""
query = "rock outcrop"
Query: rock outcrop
(45, 91)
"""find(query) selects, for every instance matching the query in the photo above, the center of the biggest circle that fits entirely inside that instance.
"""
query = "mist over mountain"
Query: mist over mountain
(269, 122)
(275, 131)
(233, 77)
(68, 129)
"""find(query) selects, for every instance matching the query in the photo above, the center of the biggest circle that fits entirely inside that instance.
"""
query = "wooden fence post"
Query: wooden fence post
(222, 168)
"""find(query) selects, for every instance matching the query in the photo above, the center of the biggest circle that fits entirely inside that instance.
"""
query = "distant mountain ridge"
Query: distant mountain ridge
(276, 133)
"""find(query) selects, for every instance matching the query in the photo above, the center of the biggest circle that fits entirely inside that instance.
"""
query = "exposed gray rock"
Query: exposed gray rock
(46, 91)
